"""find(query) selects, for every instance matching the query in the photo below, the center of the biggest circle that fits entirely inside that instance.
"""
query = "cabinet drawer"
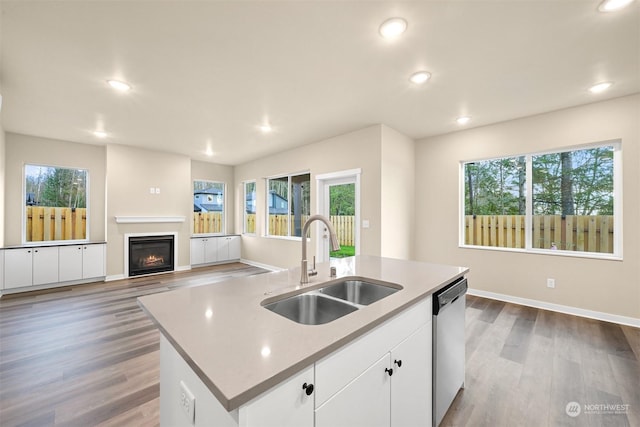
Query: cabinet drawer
(341, 367)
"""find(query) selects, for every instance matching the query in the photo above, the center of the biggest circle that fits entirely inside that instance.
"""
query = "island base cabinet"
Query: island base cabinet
(363, 403)
(286, 405)
(411, 381)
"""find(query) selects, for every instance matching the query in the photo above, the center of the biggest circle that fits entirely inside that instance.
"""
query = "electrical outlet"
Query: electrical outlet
(551, 283)
(187, 403)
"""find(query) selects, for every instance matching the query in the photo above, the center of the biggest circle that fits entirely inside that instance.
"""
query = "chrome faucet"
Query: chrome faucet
(335, 245)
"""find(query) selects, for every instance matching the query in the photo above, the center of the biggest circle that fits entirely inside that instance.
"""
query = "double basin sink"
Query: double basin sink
(332, 301)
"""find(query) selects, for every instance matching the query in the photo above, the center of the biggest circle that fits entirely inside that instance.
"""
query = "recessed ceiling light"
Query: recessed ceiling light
(393, 27)
(100, 133)
(611, 5)
(209, 152)
(463, 120)
(600, 87)
(420, 77)
(119, 85)
(266, 128)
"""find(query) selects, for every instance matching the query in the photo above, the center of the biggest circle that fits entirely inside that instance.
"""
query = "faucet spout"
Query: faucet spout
(335, 245)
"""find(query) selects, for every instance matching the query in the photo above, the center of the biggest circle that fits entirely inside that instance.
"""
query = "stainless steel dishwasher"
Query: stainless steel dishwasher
(448, 346)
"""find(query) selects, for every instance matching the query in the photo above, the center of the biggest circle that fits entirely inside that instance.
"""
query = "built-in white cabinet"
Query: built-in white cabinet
(289, 404)
(204, 250)
(382, 378)
(51, 265)
(79, 262)
(45, 265)
(228, 248)
(208, 250)
(363, 403)
(18, 270)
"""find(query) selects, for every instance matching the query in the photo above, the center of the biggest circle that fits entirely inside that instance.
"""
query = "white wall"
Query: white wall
(600, 285)
(358, 149)
(22, 149)
(2, 180)
(130, 173)
(398, 195)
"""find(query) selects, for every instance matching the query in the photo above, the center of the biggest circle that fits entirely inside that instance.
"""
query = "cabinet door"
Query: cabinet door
(45, 265)
(411, 381)
(210, 250)
(70, 263)
(197, 251)
(18, 271)
(286, 405)
(223, 248)
(92, 261)
(364, 402)
(234, 247)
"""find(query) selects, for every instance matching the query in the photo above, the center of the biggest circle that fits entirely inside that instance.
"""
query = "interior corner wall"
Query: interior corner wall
(605, 286)
(220, 173)
(2, 183)
(397, 194)
(24, 149)
(358, 149)
(131, 172)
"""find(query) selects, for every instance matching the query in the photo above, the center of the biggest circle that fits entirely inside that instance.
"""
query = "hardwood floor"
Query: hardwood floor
(524, 366)
(88, 356)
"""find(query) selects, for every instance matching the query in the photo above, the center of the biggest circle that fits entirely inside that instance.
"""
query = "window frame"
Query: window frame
(244, 206)
(289, 215)
(23, 226)
(528, 238)
(223, 222)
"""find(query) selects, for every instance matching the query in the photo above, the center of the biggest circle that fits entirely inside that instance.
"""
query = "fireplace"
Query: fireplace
(151, 254)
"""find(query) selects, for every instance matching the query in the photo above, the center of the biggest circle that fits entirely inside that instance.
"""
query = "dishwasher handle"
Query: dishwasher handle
(448, 295)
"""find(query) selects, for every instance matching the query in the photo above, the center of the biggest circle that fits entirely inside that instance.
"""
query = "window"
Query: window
(208, 207)
(249, 207)
(288, 204)
(56, 203)
(560, 201)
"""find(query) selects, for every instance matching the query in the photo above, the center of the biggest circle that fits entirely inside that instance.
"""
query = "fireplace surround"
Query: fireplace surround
(148, 254)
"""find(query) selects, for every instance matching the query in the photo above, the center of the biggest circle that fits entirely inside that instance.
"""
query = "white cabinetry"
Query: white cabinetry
(79, 262)
(50, 265)
(228, 248)
(204, 250)
(45, 265)
(390, 367)
(207, 250)
(363, 403)
(289, 404)
(18, 270)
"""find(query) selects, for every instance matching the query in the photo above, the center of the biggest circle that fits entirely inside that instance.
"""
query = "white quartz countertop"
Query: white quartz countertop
(239, 349)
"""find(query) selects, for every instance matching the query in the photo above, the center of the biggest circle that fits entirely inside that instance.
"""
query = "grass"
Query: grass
(344, 251)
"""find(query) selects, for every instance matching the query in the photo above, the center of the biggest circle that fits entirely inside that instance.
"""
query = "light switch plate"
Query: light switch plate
(187, 403)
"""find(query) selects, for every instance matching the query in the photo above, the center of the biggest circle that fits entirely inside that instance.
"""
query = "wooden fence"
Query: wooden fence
(581, 233)
(49, 223)
(207, 222)
(343, 224)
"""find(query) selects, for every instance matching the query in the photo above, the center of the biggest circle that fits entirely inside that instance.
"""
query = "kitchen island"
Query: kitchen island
(228, 361)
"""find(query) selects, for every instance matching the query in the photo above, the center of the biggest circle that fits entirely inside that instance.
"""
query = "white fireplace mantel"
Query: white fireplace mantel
(121, 219)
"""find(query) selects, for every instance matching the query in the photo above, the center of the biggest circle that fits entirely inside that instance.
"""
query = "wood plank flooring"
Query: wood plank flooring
(524, 366)
(88, 356)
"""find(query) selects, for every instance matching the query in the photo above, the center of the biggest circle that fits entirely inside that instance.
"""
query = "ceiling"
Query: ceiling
(208, 74)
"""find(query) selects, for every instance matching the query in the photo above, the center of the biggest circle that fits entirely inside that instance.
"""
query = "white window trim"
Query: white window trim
(223, 227)
(244, 206)
(266, 204)
(617, 205)
(23, 215)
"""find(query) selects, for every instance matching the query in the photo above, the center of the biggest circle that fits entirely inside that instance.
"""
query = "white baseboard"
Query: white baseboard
(598, 315)
(259, 264)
